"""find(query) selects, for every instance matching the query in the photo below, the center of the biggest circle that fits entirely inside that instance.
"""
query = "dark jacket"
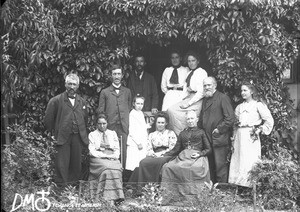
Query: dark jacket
(149, 90)
(217, 112)
(116, 106)
(193, 137)
(60, 114)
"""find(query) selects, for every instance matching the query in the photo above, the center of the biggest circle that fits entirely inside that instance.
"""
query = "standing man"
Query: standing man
(216, 118)
(66, 118)
(115, 102)
(143, 83)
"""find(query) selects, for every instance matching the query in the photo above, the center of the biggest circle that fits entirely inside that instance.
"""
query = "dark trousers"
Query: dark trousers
(218, 164)
(68, 161)
(120, 132)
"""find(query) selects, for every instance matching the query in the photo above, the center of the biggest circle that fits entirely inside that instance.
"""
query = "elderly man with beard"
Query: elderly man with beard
(217, 118)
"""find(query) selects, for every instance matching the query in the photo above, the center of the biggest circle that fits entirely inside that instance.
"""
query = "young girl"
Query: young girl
(138, 135)
(253, 118)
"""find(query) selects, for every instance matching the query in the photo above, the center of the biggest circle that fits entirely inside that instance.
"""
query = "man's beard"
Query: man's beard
(208, 93)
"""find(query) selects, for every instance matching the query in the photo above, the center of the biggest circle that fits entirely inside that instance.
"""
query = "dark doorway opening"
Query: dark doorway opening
(158, 58)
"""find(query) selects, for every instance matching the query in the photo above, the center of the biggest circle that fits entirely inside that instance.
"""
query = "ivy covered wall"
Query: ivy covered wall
(44, 40)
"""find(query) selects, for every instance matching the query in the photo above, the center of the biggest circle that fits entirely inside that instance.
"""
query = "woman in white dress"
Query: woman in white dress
(138, 134)
(193, 94)
(172, 81)
(253, 117)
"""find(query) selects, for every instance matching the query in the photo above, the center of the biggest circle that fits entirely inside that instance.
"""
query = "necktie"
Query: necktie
(105, 140)
(188, 79)
(174, 76)
(138, 74)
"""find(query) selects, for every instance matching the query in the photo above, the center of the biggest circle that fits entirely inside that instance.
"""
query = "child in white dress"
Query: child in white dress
(138, 135)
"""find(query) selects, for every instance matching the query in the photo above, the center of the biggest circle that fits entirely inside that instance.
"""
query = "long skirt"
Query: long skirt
(171, 98)
(178, 115)
(246, 153)
(149, 171)
(106, 179)
(183, 177)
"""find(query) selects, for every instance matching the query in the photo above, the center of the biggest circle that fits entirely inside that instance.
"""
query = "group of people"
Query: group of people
(191, 141)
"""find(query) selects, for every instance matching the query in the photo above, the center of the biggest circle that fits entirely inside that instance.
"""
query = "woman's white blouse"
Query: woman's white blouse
(165, 81)
(167, 138)
(196, 85)
(254, 113)
(95, 140)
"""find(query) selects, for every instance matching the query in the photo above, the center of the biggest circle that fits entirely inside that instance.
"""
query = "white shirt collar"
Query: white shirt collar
(117, 86)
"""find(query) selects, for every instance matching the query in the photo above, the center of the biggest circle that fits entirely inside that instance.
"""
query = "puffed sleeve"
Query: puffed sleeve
(149, 144)
(265, 114)
(164, 82)
(206, 145)
(197, 82)
(171, 139)
(93, 149)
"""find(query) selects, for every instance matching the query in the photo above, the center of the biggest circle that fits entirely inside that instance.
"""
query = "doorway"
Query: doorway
(158, 58)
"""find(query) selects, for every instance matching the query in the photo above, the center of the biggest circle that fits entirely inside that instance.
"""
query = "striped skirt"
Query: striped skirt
(106, 179)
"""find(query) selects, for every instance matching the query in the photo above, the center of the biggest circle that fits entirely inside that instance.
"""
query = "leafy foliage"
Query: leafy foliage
(28, 159)
(278, 182)
(45, 40)
(210, 198)
(27, 163)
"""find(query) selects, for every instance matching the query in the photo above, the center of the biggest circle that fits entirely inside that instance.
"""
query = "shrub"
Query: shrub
(27, 162)
(209, 199)
(277, 181)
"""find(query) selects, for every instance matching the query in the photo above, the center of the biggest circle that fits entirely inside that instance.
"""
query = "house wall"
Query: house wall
(294, 90)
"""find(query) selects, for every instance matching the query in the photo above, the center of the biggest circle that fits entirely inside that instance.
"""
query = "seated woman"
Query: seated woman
(193, 89)
(172, 81)
(184, 174)
(159, 142)
(105, 167)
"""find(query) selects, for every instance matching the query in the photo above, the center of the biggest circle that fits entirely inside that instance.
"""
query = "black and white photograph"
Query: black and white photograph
(150, 105)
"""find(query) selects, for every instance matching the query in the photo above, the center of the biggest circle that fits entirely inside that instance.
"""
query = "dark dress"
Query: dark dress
(183, 176)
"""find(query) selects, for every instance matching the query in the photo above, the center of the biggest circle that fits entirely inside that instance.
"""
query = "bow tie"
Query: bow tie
(71, 97)
(116, 88)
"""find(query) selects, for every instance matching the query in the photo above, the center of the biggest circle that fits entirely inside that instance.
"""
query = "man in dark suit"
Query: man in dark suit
(143, 83)
(115, 102)
(66, 118)
(217, 118)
